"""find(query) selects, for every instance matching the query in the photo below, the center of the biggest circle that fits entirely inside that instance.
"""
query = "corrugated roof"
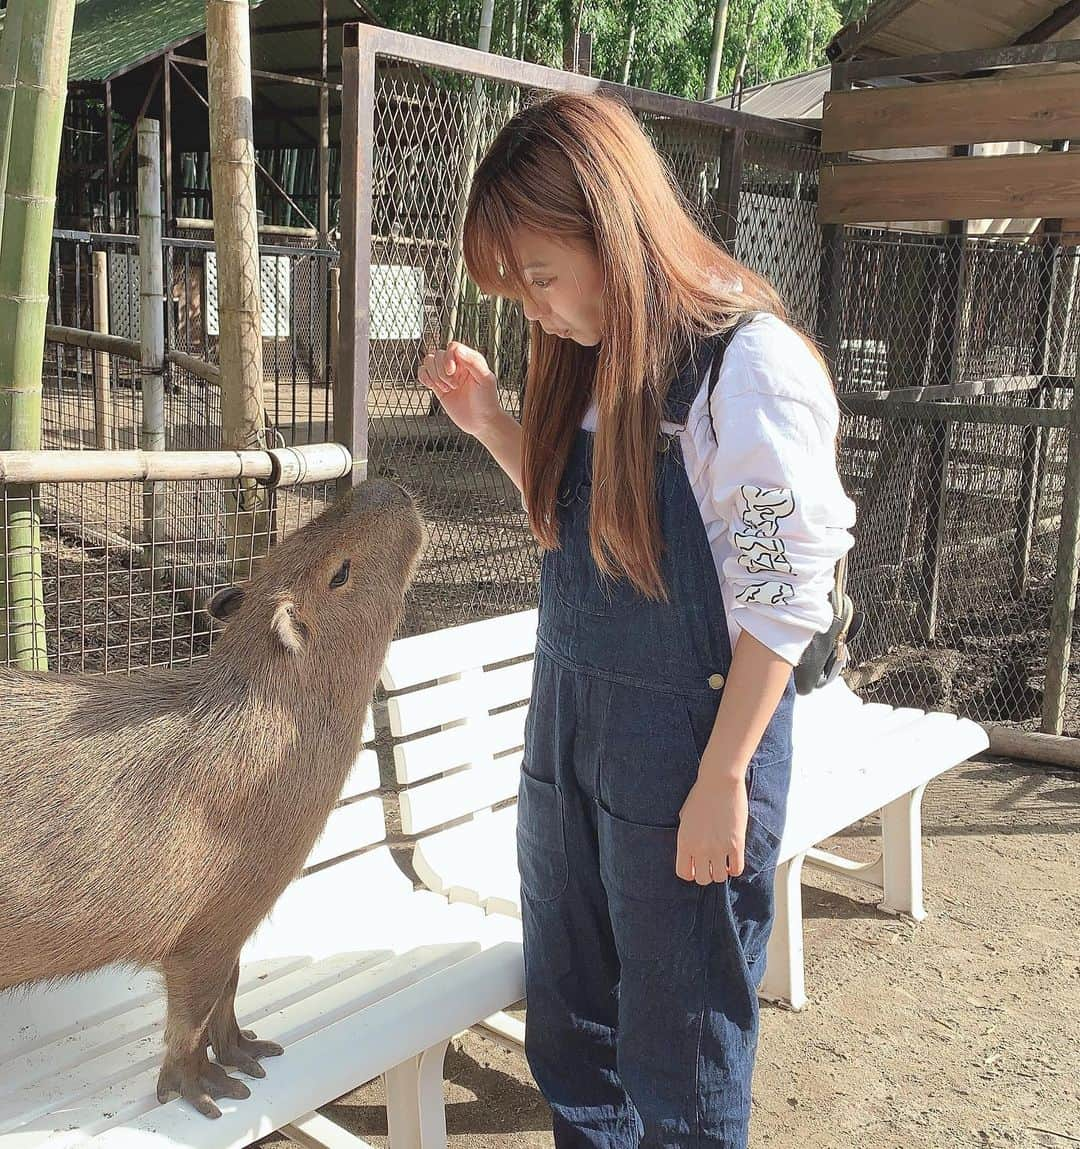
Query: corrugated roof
(795, 98)
(113, 36)
(923, 27)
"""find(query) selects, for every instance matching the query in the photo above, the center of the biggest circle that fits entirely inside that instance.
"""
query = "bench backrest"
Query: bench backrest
(455, 714)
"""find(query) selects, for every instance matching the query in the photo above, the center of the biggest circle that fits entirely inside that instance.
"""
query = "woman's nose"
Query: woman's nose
(532, 310)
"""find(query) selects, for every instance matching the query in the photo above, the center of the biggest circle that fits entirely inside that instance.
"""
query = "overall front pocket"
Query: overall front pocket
(541, 840)
(652, 909)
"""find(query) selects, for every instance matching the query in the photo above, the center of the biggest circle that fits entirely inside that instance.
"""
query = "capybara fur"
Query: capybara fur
(154, 818)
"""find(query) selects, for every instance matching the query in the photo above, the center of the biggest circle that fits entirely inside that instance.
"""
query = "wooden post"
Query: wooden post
(1033, 437)
(1063, 608)
(832, 254)
(731, 174)
(944, 362)
(236, 241)
(103, 421)
(324, 140)
(357, 191)
(32, 148)
(335, 321)
(110, 174)
(170, 215)
(151, 327)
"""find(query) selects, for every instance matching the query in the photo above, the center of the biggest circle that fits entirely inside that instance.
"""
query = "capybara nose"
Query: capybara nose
(380, 495)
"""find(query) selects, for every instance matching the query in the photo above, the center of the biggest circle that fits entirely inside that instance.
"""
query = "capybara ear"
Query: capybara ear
(289, 630)
(225, 603)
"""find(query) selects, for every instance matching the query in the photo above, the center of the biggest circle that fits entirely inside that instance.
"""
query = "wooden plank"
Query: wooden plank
(997, 108)
(982, 187)
(937, 63)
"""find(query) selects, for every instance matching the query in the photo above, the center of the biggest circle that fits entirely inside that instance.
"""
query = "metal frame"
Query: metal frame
(363, 45)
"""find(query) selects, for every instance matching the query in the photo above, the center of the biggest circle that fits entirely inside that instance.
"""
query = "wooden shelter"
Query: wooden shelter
(996, 84)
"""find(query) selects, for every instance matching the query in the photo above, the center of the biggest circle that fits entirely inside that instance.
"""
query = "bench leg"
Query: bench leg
(415, 1108)
(314, 1131)
(784, 980)
(901, 847)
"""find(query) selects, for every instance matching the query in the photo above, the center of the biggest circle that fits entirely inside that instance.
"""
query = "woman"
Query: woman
(676, 458)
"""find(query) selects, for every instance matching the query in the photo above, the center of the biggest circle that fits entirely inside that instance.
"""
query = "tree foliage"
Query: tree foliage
(670, 42)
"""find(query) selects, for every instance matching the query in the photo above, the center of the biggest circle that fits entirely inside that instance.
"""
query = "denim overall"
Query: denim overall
(641, 987)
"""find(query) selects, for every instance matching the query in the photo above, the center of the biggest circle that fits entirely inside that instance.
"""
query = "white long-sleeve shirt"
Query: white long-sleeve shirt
(770, 497)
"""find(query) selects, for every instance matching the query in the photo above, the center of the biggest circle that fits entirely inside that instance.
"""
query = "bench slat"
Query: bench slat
(435, 803)
(364, 776)
(425, 657)
(348, 829)
(452, 701)
(433, 754)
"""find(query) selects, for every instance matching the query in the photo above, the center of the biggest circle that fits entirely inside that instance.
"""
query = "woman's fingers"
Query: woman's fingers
(427, 376)
(459, 353)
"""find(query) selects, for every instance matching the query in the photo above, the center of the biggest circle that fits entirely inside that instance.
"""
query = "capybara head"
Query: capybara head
(330, 593)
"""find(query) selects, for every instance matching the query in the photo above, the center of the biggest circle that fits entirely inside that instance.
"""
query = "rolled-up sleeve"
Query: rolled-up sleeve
(773, 482)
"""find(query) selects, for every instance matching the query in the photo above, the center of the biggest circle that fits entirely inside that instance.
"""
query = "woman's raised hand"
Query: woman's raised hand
(465, 384)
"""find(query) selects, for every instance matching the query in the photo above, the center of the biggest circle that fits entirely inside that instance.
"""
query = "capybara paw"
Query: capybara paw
(199, 1084)
(244, 1051)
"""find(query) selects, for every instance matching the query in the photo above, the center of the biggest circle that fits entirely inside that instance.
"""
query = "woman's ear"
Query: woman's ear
(225, 603)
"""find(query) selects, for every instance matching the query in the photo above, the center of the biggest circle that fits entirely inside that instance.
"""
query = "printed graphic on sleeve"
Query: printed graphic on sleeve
(761, 546)
(773, 593)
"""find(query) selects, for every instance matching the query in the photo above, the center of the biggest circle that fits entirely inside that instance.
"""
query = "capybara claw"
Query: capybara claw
(199, 1086)
(244, 1052)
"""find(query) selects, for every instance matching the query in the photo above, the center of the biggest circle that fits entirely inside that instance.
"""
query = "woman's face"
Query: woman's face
(563, 287)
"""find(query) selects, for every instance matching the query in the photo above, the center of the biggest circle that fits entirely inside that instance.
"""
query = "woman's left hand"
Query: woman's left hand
(712, 830)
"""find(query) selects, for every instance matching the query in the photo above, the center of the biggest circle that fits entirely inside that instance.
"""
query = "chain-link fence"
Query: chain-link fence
(299, 285)
(955, 358)
(432, 123)
(106, 599)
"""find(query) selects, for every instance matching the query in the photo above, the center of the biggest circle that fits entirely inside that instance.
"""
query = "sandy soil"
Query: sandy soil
(963, 1030)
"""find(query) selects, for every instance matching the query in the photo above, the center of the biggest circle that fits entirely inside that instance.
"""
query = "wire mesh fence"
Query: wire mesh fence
(105, 599)
(431, 126)
(298, 285)
(953, 358)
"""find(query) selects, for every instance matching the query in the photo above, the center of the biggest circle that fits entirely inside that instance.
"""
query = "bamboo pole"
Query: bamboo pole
(280, 466)
(151, 326)
(129, 349)
(103, 428)
(236, 240)
(32, 152)
(9, 67)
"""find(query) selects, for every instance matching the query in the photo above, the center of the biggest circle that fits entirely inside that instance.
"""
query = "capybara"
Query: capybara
(154, 818)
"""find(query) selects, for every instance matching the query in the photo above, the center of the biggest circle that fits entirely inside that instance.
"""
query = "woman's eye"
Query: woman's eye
(342, 576)
(543, 284)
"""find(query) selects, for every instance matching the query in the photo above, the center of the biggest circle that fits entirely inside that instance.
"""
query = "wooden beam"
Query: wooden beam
(858, 32)
(985, 187)
(1000, 107)
(1060, 18)
(957, 63)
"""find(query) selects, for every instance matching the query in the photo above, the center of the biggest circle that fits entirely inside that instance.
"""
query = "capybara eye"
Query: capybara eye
(342, 576)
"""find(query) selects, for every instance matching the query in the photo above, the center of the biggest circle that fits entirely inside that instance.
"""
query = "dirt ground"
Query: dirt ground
(963, 1030)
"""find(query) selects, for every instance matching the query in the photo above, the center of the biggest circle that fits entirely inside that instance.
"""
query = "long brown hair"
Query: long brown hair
(580, 168)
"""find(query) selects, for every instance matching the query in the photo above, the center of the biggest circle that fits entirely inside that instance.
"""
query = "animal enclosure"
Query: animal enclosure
(954, 357)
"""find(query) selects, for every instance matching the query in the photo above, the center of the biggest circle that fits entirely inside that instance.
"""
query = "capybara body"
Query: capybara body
(155, 818)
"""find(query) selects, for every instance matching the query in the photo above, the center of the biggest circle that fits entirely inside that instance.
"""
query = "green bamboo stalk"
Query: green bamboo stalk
(37, 120)
(9, 67)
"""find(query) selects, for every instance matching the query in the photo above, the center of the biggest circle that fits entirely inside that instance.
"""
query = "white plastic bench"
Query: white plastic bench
(354, 973)
(467, 688)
